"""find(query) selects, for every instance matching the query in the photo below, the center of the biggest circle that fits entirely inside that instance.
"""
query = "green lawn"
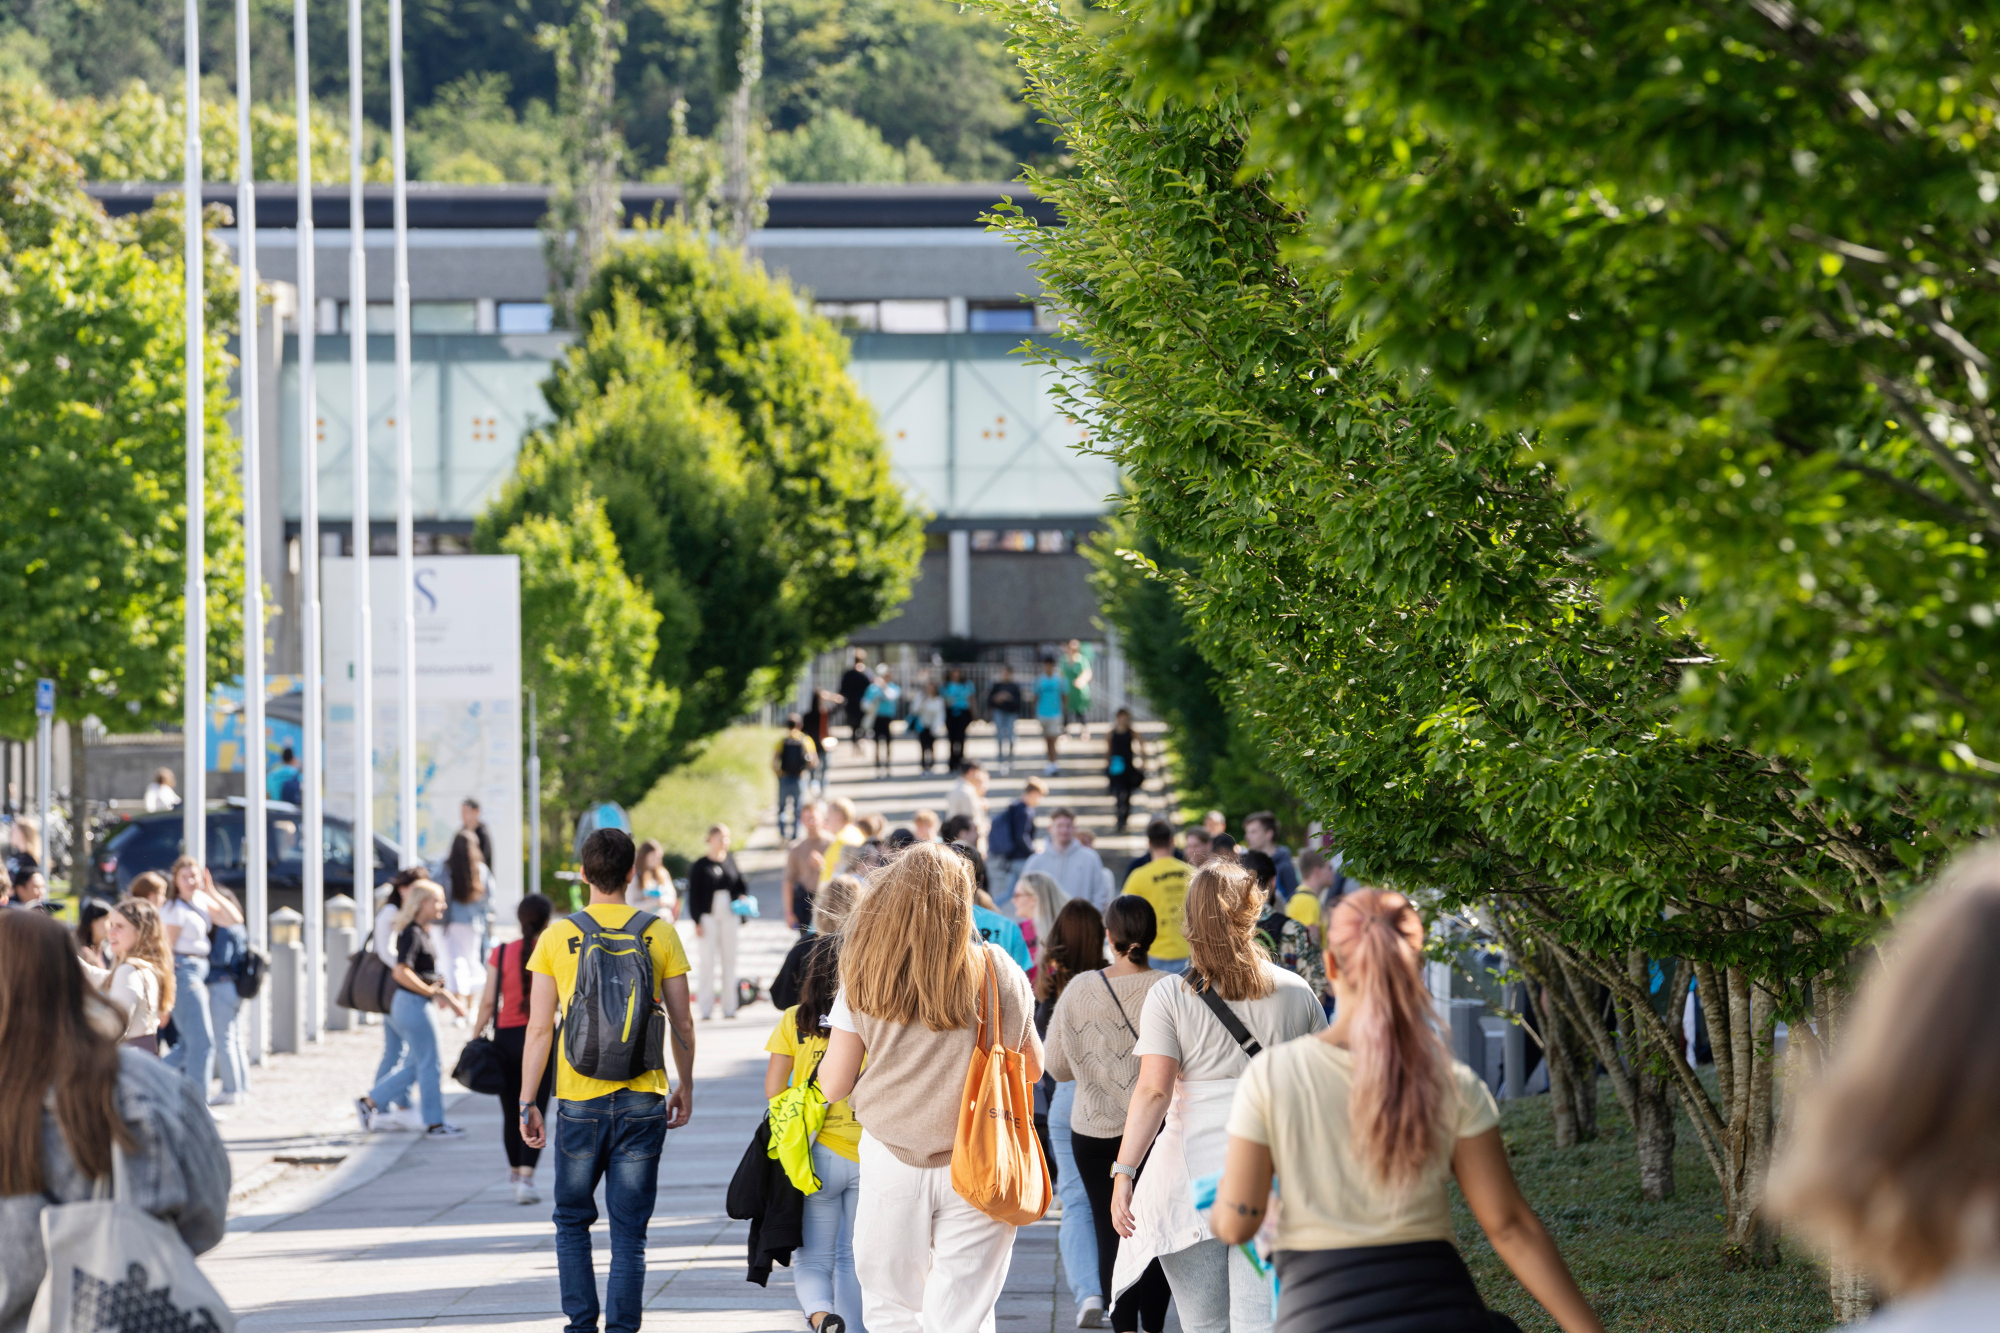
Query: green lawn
(729, 783)
(1644, 1266)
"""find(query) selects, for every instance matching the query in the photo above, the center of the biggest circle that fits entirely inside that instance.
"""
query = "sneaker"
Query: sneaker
(444, 1131)
(367, 1114)
(525, 1191)
(403, 1118)
(228, 1099)
(1090, 1314)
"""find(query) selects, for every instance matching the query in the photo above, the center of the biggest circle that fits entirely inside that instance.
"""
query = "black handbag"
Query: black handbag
(479, 1067)
(251, 971)
(369, 986)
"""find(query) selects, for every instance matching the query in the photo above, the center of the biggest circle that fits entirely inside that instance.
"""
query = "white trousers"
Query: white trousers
(928, 1261)
(715, 960)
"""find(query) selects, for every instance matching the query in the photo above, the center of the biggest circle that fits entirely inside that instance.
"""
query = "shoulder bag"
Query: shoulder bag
(1224, 1014)
(369, 986)
(996, 1158)
(798, 1113)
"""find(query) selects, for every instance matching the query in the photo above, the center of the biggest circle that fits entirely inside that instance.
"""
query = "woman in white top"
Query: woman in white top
(142, 977)
(1189, 1064)
(651, 888)
(1365, 1125)
(186, 921)
(1892, 1166)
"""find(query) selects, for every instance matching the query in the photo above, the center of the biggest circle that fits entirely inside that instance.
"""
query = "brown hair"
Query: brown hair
(1893, 1163)
(174, 875)
(151, 951)
(1075, 945)
(1221, 910)
(462, 867)
(834, 903)
(1401, 1064)
(909, 955)
(151, 886)
(48, 1044)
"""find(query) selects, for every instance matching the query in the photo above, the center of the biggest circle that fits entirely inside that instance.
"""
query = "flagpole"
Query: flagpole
(357, 358)
(406, 716)
(312, 790)
(256, 843)
(194, 688)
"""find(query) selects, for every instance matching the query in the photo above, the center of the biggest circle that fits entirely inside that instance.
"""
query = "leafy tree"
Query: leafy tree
(1731, 262)
(593, 635)
(836, 146)
(470, 135)
(850, 540)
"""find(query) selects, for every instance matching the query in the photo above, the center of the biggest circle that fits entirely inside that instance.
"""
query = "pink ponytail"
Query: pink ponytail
(1400, 1059)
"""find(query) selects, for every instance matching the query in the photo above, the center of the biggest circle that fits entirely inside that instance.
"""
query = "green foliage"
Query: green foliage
(470, 135)
(836, 146)
(593, 634)
(729, 781)
(849, 540)
(1731, 264)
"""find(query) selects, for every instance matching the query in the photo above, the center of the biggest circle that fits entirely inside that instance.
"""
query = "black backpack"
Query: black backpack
(792, 758)
(613, 1028)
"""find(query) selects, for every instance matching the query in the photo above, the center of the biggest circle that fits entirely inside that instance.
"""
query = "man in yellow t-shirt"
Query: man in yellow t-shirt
(837, 823)
(606, 1130)
(1162, 881)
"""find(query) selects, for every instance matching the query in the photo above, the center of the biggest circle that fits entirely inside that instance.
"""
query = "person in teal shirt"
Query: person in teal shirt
(1051, 691)
(997, 929)
(282, 782)
(957, 714)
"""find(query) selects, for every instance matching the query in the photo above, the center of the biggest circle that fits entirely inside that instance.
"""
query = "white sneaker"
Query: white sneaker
(403, 1118)
(367, 1113)
(525, 1191)
(444, 1131)
(1090, 1314)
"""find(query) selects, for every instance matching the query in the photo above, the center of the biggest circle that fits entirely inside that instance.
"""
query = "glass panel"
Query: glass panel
(284, 842)
(225, 843)
(444, 317)
(338, 842)
(1050, 542)
(1002, 319)
(850, 314)
(915, 317)
(526, 317)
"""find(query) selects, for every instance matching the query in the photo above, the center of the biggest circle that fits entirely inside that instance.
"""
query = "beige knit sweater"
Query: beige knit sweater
(1090, 1043)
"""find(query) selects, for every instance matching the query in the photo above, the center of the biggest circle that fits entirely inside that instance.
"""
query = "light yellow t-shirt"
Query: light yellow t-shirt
(555, 957)
(1163, 883)
(1293, 1099)
(850, 835)
(842, 1132)
(1304, 908)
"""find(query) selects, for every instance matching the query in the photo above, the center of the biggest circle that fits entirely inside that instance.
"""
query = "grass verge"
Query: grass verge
(730, 782)
(1646, 1267)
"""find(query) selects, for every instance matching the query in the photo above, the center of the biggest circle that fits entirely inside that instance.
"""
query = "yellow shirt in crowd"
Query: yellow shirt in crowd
(1304, 908)
(842, 1132)
(1163, 883)
(555, 956)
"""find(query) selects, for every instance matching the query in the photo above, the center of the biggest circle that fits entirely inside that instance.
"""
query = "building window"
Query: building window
(914, 316)
(1010, 318)
(444, 317)
(1044, 541)
(526, 317)
(850, 316)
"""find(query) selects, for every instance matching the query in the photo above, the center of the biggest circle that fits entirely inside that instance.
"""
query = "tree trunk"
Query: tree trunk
(1853, 1293)
(1562, 1106)
(1654, 1130)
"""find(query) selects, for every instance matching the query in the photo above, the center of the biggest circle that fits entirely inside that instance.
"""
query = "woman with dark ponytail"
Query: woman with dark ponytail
(1365, 1123)
(504, 1003)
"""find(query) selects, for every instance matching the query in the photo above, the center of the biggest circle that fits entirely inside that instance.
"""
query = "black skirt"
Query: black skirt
(1422, 1287)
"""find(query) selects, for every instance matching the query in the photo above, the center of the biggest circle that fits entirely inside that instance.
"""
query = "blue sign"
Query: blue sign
(45, 698)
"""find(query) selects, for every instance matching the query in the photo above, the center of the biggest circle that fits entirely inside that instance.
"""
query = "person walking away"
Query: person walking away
(228, 953)
(142, 975)
(1011, 840)
(1284, 940)
(823, 1270)
(1067, 861)
(1190, 1061)
(805, 863)
(795, 757)
(1122, 766)
(1077, 676)
(68, 1094)
(1315, 881)
(282, 783)
(607, 1130)
(957, 715)
(418, 987)
(880, 704)
(843, 831)
(1890, 1165)
(924, 825)
(714, 885)
(1003, 705)
(1075, 948)
(854, 683)
(993, 927)
(1260, 834)
(160, 794)
(830, 910)
(1366, 1123)
(1051, 699)
(913, 983)
(185, 918)
(467, 918)
(928, 719)
(503, 1003)
(652, 888)
(967, 797)
(1091, 1040)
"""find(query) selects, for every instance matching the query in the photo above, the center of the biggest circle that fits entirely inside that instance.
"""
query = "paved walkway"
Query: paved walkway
(401, 1233)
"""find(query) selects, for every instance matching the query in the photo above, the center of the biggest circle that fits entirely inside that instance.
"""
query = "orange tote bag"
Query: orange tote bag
(996, 1160)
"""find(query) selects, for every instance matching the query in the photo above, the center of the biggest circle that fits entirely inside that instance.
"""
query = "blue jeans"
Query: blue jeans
(1077, 1237)
(1003, 737)
(392, 1052)
(224, 1007)
(409, 1018)
(195, 1055)
(824, 1276)
(1174, 965)
(1001, 876)
(789, 794)
(615, 1139)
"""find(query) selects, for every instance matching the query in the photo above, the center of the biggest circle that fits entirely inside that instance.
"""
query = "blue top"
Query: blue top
(1049, 692)
(957, 695)
(881, 696)
(997, 929)
(275, 780)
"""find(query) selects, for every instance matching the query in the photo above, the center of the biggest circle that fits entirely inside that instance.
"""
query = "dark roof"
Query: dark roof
(484, 207)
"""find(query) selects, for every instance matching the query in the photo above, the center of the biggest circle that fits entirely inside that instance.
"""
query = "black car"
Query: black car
(153, 842)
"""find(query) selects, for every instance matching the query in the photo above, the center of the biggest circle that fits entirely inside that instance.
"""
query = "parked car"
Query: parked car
(153, 842)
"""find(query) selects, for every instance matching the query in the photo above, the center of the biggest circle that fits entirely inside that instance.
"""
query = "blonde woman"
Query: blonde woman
(1893, 1165)
(142, 976)
(419, 986)
(912, 974)
(186, 918)
(1189, 1064)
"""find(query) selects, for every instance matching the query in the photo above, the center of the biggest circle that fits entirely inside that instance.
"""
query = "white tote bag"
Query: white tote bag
(114, 1268)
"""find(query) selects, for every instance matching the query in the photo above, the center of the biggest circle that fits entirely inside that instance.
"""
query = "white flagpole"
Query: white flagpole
(406, 739)
(194, 689)
(312, 790)
(256, 840)
(357, 365)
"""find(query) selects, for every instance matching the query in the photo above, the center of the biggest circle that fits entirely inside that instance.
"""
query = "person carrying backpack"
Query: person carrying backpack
(610, 1076)
(795, 757)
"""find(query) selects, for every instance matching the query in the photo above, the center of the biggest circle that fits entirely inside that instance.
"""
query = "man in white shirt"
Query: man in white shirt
(968, 798)
(1075, 867)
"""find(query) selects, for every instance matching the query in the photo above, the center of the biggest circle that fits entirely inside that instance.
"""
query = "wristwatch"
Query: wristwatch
(1120, 1169)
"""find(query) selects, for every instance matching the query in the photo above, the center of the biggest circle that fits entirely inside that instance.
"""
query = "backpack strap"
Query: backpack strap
(1224, 1014)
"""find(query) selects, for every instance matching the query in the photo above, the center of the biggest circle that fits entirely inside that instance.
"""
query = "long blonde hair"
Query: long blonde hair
(834, 903)
(909, 954)
(151, 951)
(1220, 912)
(413, 898)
